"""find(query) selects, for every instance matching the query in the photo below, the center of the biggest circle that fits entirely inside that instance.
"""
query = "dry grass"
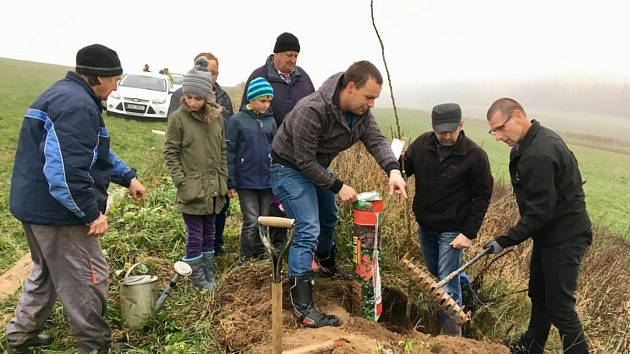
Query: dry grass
(602, 295)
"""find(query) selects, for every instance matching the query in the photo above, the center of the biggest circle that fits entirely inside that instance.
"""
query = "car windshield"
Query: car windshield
(179, 79)
(144, 82)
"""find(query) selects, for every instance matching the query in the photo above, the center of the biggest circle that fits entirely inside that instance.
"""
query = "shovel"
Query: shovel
(264, 222)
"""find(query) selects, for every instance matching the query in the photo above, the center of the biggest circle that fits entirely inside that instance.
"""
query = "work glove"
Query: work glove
(494, 246)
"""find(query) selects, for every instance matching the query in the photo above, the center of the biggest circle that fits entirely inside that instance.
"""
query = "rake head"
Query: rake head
(430, 287)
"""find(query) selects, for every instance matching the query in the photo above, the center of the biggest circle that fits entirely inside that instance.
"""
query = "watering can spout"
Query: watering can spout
(181, 269)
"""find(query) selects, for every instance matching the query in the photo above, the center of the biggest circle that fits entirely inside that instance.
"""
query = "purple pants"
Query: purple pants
(200, 234)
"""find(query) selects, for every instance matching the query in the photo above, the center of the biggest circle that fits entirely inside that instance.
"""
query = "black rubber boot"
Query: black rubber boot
(328, 265)
(38, 340)
(304, 308)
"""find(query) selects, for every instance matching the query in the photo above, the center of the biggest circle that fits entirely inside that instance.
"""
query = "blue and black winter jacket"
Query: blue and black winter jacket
(63, 163)
(249, 136)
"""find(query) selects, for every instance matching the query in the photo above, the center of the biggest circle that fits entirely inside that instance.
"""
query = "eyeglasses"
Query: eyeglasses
(493, 131)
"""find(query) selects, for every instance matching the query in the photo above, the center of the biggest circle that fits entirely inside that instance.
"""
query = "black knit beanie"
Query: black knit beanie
(98, 60)
(285, 42)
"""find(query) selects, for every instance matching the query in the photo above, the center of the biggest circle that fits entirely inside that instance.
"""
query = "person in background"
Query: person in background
(170, 76)
(548, 187)
(195, 154)
(223, 99)
(290, 82)
(321, 126)
(62, 170)
(453, 191)
(146, 68)
(249, 136)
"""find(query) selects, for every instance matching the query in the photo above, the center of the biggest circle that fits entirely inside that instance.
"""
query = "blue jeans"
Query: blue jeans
(442, 260)
(315, 212)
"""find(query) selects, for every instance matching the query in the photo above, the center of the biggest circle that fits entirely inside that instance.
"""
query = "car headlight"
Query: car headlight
(159, 100)
(115, 95)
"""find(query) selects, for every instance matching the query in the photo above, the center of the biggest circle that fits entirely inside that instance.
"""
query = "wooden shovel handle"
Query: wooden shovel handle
(276, 318)
(275, 221)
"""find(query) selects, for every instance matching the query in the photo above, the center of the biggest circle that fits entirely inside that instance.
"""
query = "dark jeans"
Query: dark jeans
(200, 234)
(552, 283)
(219, 226)
(254, 203)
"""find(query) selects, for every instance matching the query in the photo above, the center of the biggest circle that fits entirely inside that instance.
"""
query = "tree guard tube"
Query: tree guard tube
(366, 280)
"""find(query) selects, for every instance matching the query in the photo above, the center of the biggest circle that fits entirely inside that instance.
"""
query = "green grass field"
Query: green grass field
(607, 172)
(154, 233)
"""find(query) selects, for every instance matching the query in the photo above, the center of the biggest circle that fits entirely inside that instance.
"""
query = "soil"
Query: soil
(243, 320)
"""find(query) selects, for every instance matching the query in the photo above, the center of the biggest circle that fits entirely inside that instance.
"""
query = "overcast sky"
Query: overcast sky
(426, 41)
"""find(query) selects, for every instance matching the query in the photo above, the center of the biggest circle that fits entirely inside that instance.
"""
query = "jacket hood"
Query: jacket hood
(213, 108)
(328, 88)
(327, 92)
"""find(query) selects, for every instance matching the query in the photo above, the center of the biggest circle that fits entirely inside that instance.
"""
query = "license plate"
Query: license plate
(135, 106)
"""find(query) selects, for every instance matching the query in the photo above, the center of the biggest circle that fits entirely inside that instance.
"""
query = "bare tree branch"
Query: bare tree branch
(389, 79)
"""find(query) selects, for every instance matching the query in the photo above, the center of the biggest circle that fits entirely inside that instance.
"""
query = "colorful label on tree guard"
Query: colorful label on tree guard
(366, 283)
(366, 286)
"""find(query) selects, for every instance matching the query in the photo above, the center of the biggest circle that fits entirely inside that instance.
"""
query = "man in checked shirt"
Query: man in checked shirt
(322, 125)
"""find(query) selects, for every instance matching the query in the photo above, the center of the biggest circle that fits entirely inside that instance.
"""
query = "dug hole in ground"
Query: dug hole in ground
(242, 320)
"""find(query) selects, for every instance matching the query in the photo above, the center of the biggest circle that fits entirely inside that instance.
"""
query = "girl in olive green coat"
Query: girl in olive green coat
(195, 154)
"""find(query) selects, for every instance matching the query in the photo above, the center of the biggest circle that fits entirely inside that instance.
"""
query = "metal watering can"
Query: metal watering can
(138, 294)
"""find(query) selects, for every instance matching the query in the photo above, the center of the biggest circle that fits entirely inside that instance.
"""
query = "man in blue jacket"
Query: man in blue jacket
(63, 167)
(290, 82)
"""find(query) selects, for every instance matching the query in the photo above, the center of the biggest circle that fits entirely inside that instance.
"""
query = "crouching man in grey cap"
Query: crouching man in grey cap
(453, 190)
(63, 167)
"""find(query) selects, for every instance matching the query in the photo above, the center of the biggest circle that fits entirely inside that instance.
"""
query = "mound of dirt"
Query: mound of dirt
(242, 321)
